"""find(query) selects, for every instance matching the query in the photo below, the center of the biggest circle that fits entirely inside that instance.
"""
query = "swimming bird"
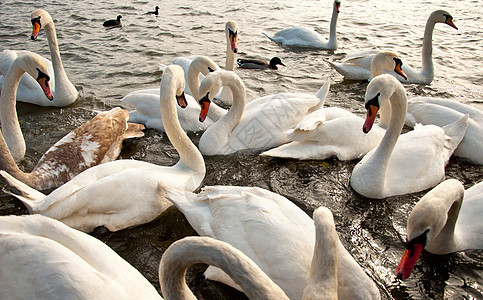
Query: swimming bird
(357, 66)
(261, 124)
(445, 220)
(126, 192)
(257, 222)
(96, 141)
(155, 12)
(113, 23)
(405, 163)
(333, 131)
(309, 38)
(260, 63)
(28, 90)
(146, 102)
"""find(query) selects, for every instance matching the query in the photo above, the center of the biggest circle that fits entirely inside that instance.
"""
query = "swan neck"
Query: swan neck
(427, 49)
(230, 56)
(194, 82)
(55, 55)
(398, 102)
(8, 164)
(385, 115)
(189, 155)
(180, 256)
(8, 112)
(333, 29)
(323, 271)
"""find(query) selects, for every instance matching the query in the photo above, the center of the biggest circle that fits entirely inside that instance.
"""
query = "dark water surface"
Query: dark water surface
(104, 65)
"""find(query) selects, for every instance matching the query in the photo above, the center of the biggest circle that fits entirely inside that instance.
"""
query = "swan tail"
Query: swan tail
(456, 132)
(268, 37)
(27, 195)
(322, 94)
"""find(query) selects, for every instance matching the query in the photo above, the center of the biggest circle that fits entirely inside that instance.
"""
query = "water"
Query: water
(105, 65)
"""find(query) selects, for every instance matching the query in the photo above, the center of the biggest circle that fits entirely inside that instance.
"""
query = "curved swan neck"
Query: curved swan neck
(189, 155)
(427, 50)
(7, 163)
(323, 271)
(333, 29)
(225, 125)
(398, 105)
(188, 251)
(8, 112)
(443, 204)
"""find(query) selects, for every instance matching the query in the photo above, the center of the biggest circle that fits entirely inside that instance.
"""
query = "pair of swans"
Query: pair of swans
(28, 91)
(405, 163)
(334, 131)
(96, 141)
(261, 124)
(124, 193)
(309, 38)
(357, 66)
(299, 254)
(146, 102)
(441, 112)
(447, 219)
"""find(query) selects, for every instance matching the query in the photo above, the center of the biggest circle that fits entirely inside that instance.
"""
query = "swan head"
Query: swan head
(378, 92)
(427, 220)
(231, 31)
(387, 61)
(210, 85)
(39, 18)
(175, 74)
(337, 6)
(442, 16)
(203, 64)
(35, 66)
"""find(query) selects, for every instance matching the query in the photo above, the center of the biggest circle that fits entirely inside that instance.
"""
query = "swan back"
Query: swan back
(190, 250)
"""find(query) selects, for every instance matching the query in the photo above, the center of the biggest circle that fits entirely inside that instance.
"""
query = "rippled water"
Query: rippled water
(107, 64)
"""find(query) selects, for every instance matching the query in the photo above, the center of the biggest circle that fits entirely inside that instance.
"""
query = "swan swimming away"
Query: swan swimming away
(333, 131)
(28, 90)
(146, 103)
(441, 112)
(309, 38)
(257, 221)
(357, 66)
(445, 220)
(124, 193)
(405, 163)
(261, 124)
(96, 141)
(260, 63)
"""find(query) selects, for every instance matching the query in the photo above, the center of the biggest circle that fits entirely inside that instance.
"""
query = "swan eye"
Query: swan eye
(42, 75)
(420, 239)
(373, 102)
(36, 21)
(210, 70)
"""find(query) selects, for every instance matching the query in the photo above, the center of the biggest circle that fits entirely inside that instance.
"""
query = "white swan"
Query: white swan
(447, 219)
(408, 163)
(191, 250)
(257, 222)
(309, 38)
(146, 103)
(231, 34)
(44, 259)
(124, 193)
(64, 91)
(262, 124)
(96, 141)
(333, 131)
(441, 112)
(357, 66)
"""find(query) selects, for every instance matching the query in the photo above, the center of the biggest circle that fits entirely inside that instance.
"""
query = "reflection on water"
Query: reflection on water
(105, 65)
